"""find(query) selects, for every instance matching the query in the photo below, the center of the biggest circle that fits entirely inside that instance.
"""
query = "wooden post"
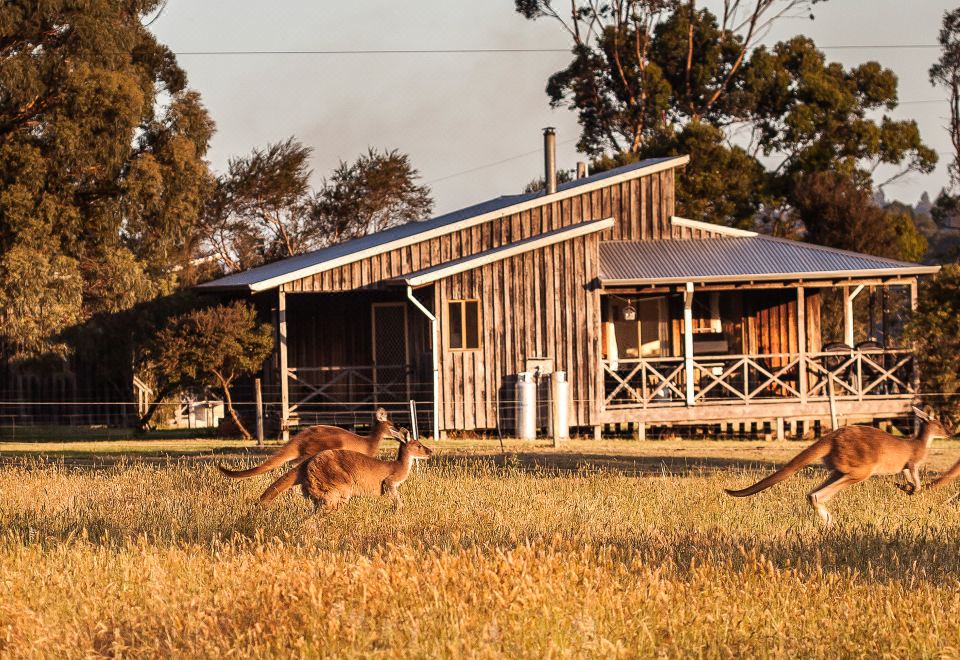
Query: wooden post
(780, 432)
(802, 342)
(259, 394)
(833, 404)
(597, 432)
(847, 317)
(688, 339)
(848, 297)
(284, 372)
(641, 431)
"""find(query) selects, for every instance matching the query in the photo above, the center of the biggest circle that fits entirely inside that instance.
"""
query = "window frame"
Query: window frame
(462, 304)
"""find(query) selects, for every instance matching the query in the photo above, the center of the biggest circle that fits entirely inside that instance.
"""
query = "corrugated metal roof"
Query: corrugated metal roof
(737, 259)
(285, 270)
(463, 264)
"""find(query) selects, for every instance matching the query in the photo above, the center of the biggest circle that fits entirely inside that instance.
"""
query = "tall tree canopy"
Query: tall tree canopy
(102, 170)
(375, 192)
(264, 208)
(657, 77)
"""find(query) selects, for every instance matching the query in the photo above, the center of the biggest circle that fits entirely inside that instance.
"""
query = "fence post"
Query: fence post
(259, 393)
(413, 420)
(833, 403)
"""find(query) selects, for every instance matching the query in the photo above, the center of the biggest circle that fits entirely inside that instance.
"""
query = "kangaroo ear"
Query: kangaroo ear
(381, 415)
(921, 414)
(403, 437)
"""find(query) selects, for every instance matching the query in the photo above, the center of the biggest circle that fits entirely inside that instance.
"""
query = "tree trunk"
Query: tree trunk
(151, 411)
(233, 413)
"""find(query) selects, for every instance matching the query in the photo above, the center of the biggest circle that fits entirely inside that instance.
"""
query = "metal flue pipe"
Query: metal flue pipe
(549, 160)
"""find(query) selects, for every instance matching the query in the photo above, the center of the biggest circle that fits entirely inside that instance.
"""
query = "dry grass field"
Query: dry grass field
(599, 549)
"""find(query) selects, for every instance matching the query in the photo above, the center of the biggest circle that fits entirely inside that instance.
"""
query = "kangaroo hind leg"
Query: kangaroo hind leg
(823, 493)
(912, 475)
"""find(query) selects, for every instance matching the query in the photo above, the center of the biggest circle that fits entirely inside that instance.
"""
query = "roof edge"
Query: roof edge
(434, 273)
(541, 200)
(723, 230)
(773, 277)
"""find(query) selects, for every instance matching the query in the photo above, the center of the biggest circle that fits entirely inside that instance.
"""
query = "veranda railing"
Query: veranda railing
(732, 379)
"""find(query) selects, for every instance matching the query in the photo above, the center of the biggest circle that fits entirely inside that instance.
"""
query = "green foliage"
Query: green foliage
(102, 171)
(210, 347)
(945, 73)
(649, 78)
(40, 292)
(538, 184)
(264, 209)
(375, 192)
(839, 213)
(722, 182)
(935, 327)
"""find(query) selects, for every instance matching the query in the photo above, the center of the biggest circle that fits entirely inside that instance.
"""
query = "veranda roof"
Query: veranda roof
(739, 259)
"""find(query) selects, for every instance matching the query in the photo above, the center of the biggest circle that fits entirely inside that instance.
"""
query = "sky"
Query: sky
(471, 123)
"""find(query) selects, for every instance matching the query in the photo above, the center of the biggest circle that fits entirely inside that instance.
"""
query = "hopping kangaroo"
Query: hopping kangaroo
(854, 454)
(333, 477)
(316, 439)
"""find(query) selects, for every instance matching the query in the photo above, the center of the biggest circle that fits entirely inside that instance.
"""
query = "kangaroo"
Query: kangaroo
(854, 454)
(333, 477)
(316, 439)
(946, 478)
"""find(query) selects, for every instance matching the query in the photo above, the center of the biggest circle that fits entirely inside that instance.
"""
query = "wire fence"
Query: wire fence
(66, 420)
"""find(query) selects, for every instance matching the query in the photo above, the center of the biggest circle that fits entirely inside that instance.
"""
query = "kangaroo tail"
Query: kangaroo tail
(816, 451)
(287, 453)
(946, 477)
(289, 479)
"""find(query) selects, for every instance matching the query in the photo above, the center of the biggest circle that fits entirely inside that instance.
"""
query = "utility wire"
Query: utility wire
(470, 51)
(499, 162)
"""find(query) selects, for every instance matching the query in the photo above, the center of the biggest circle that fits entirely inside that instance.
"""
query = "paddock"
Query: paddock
(149, 551)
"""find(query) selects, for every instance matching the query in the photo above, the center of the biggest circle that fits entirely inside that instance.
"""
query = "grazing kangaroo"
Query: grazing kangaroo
(316, 439)
(854, 454)
(333, 477)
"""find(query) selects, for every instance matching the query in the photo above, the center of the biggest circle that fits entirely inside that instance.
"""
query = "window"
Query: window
(463, 325)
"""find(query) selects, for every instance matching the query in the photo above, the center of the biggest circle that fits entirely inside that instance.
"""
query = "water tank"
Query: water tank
(526, 406)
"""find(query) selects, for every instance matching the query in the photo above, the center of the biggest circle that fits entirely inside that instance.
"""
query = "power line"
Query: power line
(472, 51)
(879, 46)
(499, 162)
(389, 51)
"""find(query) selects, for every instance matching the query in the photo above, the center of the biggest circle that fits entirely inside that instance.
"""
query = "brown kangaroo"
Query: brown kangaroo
(333, 477)
(946, 477)
(316, 439)
(854, 454)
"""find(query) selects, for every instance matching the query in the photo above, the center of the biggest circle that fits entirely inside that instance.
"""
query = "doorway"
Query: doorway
(390, 350)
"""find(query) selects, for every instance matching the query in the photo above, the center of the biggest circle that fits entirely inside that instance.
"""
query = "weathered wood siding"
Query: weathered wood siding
(536, 304)
(641, 209)
(770, 321)
(539, 304)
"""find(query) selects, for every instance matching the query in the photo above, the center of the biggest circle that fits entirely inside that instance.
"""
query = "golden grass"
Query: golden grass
(513, 557)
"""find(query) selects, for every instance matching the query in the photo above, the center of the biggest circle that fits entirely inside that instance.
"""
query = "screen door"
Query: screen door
(390, 357)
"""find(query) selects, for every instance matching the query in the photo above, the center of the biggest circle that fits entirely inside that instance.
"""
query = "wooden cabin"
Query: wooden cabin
(654, 319)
